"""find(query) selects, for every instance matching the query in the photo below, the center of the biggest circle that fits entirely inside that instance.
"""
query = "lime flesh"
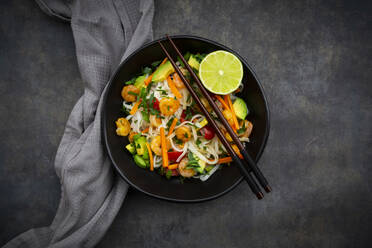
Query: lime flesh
(221, 72)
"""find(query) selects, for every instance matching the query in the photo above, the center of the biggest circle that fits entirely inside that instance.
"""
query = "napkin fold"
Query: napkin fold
(105, 33)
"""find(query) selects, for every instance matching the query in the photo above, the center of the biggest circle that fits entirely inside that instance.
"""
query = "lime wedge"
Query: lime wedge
(221, 72)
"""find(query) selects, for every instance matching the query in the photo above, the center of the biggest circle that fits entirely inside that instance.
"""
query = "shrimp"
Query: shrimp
(177, 81)
(228, 116)
(122, 127)
(248, 129)
(131, 135)
(155, 121)
(156, 145)
(183, 133)
(168, 106)
(183, 170)
(129, 93)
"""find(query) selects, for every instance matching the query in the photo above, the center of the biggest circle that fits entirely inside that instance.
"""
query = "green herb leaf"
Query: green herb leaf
(155, 63)
(145, 115)
(193, 162)
(178, 141)
(180, 61)
(132, 93)
(187, 56)
(124, 110)
(169, 123)
(188, 113)
(146, 70)
(199, 57)
(132, 81)
(242, 129)
(168, 174)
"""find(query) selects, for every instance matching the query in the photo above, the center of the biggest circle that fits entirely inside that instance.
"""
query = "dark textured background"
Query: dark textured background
(314, 61)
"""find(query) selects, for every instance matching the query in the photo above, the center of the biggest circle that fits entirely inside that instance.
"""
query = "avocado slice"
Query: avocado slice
(193, 63)
(240, 108)
(201, 163)
(146, 154)
(140, 81)
(131, 148)
(162, 72)
(140, 144)
(140, 161)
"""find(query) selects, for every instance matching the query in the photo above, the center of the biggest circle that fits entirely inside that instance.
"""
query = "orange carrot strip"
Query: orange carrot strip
(224, 160)
(164, 151)
(227, 159)
(173, 88)
(135, 107)
(148, 80)
(145, 130)
(173, 166)
(164, 60)
(172, 126)
(228, 100)
(150, 156)
(224, 104)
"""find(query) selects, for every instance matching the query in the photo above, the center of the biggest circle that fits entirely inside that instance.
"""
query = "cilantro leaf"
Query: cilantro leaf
(146, 70)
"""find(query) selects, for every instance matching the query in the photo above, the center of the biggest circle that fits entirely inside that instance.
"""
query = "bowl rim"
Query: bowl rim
(104, 116)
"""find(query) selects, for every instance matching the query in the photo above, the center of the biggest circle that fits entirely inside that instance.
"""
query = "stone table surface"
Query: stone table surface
(314, 61)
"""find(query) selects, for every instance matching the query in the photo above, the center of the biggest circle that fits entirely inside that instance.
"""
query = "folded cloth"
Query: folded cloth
(105, 33)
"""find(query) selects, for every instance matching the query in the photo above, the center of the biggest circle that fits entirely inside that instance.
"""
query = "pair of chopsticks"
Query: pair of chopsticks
(247, 158)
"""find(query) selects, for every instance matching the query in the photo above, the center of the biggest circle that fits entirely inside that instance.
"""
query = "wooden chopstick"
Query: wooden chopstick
(247, 176)
(248, 159)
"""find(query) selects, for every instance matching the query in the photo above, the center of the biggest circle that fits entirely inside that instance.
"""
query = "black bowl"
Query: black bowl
(151, 183)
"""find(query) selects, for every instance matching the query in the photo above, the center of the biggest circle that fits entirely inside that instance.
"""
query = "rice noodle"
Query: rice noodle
(210, 173)
(183, 153)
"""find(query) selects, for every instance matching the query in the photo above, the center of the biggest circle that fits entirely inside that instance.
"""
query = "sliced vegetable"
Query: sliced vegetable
(208, 132)
(183, 116)
(155, 104)
(149, 79)
(163, 147)
(227, 160)
(173, 88)
(173, 166)
(140, 81)
(135, 107)
(240, 108)
(131, 148)
(224, 104)
(145, 130)
(140, 161)
(150, 155)
(173, 156)
(140, 144)
(228, 100)
(201, 123)
(162, 72)
(172, 126)
(193, 63)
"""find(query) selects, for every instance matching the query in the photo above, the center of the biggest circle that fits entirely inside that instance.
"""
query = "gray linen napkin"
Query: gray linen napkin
(105, 32)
